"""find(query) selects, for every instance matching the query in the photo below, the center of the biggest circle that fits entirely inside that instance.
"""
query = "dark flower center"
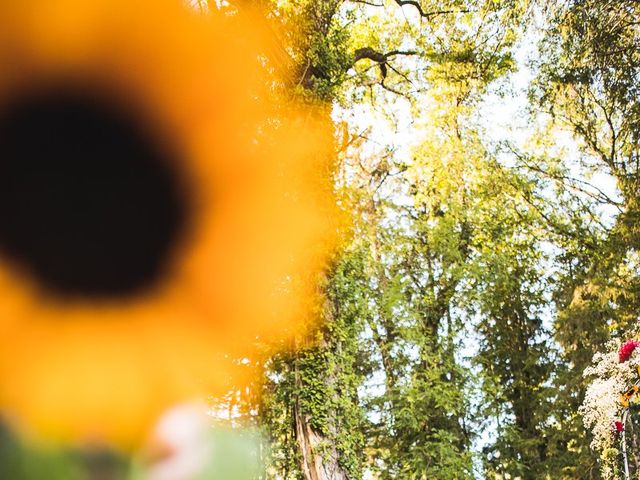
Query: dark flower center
(91, 204)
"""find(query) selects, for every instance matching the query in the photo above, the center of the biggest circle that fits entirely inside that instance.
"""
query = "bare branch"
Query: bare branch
(368, 3)
(382, 59)
(423, 14)
(370, 53)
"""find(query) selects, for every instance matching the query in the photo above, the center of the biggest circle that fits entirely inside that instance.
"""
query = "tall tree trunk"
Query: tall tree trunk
(318, 460)
(318, 456)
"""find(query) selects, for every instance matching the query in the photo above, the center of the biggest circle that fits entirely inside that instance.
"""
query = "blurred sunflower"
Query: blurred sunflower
(160, 210)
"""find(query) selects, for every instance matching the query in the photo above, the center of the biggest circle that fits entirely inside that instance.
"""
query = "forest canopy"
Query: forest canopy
(488, 155)
(479, 315)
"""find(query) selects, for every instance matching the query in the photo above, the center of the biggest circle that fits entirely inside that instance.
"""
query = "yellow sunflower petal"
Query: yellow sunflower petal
(77, 365)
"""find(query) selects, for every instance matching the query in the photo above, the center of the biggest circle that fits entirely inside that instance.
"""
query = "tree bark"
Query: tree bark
(318, 461)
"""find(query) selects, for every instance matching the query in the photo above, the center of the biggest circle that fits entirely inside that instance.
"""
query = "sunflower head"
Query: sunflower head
(162, 210)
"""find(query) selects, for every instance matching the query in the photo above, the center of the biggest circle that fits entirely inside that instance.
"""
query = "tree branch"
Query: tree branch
(368, 3)
(423, 14)
(382, 59)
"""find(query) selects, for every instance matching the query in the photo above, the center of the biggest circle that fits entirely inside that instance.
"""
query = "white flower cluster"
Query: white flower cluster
(601, 407)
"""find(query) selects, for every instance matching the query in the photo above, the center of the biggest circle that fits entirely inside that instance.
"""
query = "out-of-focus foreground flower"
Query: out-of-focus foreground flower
(184, 445)
(160, 210)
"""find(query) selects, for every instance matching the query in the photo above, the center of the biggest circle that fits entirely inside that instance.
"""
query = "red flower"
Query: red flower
(618, 426)
(626, 349)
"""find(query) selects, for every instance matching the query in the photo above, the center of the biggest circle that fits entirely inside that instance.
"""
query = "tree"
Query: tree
(587, 83)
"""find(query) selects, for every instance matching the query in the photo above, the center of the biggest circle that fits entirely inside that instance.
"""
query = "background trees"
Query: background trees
(492, 249)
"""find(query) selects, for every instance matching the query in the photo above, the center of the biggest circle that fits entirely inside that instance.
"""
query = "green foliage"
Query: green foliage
(480, 278)
(588, 84)
(22, 461)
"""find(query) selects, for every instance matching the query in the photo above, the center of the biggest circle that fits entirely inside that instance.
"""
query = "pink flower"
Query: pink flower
(626, 349)
(618, 426)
